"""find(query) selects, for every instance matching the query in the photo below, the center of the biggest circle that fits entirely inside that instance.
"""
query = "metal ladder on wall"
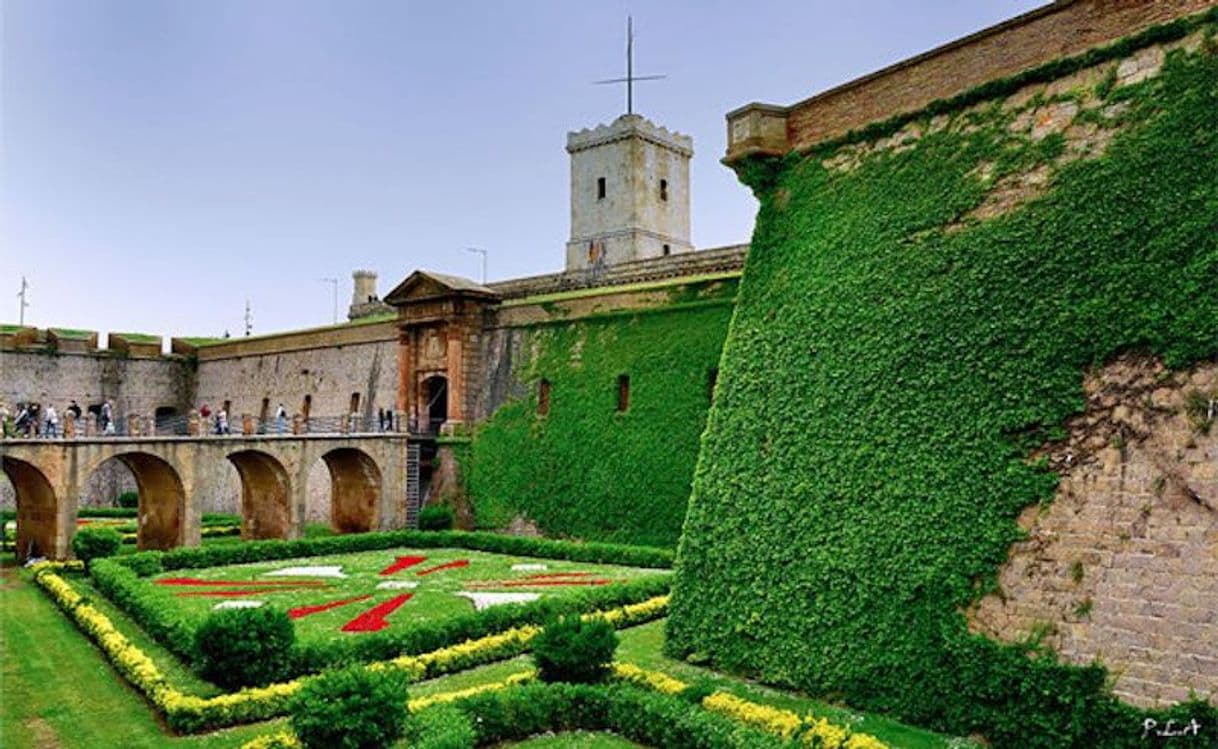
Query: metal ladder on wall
(412, 485)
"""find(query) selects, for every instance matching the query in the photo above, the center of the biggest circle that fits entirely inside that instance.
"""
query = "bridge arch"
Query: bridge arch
(162, 502)
(37, 510)
(266, 505)
(355, 490)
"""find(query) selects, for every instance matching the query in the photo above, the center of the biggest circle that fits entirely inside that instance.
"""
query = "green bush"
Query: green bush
(575, 650)
(440, 727)
(351, 709)
(127, 500)
(91, 543)
(436, 518)
(245, 647)
(887, 356)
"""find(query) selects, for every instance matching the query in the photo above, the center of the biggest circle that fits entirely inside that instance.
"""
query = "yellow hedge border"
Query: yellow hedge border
(187, 712)
(808, 730)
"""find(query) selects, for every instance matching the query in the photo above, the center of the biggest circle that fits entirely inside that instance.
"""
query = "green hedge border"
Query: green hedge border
(120, 579)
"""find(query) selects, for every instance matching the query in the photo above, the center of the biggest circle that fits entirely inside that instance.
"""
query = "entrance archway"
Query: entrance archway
(355, 490)
(265, 495)
(162, 500)
(37, 510)
(435, 391)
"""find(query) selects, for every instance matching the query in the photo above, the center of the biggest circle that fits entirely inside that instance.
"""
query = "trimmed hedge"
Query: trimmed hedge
(261, 551)
(245, 647)
(592, 471)
(120, 579)
(865, 459)
(649, 718)
(354, 708)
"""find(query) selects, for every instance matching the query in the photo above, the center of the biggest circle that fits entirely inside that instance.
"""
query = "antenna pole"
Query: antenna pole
(629, 65)
(21, 307)
(481, 252)
(249, 318)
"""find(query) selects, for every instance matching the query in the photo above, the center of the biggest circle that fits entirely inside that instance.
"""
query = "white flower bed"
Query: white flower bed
(486, 600)
(319, 571)
(397, 585)
(242, 604)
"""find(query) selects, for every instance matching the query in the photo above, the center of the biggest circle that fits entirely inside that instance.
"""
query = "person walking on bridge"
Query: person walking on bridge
(281, 418)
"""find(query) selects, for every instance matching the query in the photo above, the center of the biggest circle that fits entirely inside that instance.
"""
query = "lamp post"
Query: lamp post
(481, 252)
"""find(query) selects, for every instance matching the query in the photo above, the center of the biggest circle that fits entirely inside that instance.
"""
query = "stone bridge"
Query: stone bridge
(367, 479)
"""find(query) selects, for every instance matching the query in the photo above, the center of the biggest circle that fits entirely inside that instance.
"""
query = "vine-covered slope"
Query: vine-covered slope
(586, 470)
(900, 341)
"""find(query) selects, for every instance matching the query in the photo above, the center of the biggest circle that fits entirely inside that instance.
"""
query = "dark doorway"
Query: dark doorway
(436, 391)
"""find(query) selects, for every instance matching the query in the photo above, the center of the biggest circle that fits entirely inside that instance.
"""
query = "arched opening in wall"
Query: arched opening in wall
(435, 389)
(37, 510)
(167, 421)
(354, 409)
(162, 499)
(355, 490)
(264, 413)
(306, 407)
(543, 397)
(266, 505)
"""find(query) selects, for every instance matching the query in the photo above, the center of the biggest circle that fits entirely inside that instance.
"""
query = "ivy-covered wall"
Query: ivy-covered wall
(586, 470)
(916, 314)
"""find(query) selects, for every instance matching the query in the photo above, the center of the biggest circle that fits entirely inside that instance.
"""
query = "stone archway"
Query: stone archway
(265, 495)
(37, 510)
(355, 490)
(162, 502)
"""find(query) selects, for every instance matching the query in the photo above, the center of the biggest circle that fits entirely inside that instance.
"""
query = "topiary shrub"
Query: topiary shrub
(353, 708)
(91, 543)
(245, 647)
(436, 518)
(572, 649)
(128, 499)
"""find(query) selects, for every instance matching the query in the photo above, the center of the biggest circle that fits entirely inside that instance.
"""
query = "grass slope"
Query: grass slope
(863, 464)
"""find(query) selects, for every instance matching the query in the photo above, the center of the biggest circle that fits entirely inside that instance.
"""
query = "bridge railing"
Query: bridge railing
(133, 425)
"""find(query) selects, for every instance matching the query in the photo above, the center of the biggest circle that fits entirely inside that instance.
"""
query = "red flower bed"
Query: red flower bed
(373, 619)
(402, 563)
(445, 566)
(302, 611)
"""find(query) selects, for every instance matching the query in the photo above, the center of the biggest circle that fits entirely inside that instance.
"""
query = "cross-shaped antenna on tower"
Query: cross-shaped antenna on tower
(25, 286)
(630, 76)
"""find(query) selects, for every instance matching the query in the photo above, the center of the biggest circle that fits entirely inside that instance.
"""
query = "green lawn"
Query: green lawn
(434, 597)
(60, 692)
(577, 740)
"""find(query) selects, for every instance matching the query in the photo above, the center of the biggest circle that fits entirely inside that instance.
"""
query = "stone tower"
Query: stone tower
(364, 301)
(629, 193)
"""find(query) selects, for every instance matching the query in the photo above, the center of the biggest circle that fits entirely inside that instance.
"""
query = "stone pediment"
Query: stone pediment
(423, 286)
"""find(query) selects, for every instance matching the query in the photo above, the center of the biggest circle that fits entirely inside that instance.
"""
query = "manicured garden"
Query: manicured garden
(462, 676)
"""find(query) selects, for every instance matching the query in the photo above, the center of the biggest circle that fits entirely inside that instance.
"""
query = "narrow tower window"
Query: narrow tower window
(667, 250)
(306, 407)
(600, 188)
(623, 392)
(664, 190)
(543, 398)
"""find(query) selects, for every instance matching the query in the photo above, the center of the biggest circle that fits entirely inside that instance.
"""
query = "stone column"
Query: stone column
(455, 333)
(133, 425)
(297, 424)
(69, 425)
(193, 423)
(405, 396)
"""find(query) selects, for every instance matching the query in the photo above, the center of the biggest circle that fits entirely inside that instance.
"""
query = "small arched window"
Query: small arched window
(623, 393)
(306, 407)
(664, 190)
(543, 397)
(354, 403)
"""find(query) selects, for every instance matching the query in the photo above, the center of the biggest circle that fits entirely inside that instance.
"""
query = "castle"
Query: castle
(962, 456)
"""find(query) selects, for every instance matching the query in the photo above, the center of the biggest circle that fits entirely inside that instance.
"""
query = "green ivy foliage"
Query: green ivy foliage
(863, 466)
(585, 469)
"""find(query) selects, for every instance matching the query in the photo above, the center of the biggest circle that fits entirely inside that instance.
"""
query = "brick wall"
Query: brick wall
(1054, 31)
(1123, 565)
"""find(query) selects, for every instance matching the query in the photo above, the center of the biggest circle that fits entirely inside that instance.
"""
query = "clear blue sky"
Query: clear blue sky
(163, 161)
